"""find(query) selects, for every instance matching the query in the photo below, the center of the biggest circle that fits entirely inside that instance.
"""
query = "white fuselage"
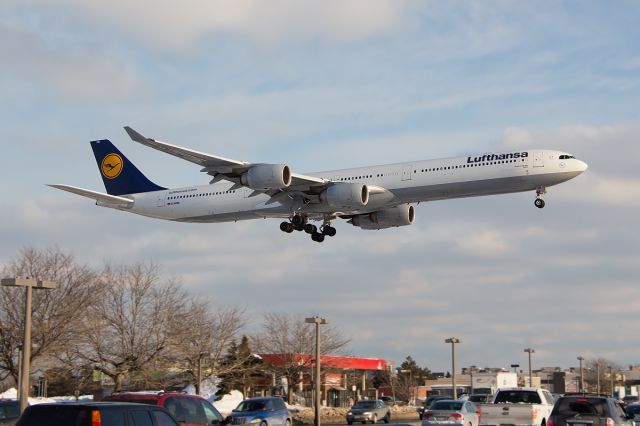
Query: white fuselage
(390, 185)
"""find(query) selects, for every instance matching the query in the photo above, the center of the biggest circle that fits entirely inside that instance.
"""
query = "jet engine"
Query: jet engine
(347, 196)
(386, 218)
(267, 176)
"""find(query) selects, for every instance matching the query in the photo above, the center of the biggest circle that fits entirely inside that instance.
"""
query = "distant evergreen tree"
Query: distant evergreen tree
(240, 365)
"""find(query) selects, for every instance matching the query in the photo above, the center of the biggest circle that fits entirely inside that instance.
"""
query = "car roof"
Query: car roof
(263, 398)
(90, 404)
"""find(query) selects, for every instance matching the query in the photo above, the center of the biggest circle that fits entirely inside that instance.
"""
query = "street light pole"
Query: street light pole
(453, 342)
(317, 321)
(29, 284)
(598, 374)
(581, 358)
(530, 351)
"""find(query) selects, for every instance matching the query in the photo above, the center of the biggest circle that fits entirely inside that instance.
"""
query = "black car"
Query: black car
(589, 410)
(96, 414)
(9, 412)
(634, 410)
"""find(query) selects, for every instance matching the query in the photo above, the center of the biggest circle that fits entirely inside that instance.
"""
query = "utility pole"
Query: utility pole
(581, 358)
(453, 342)
(598, 374)
(29, 284)
(530, 351)
(317, 321)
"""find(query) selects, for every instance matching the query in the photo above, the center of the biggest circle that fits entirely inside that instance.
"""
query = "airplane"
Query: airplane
(371, 198)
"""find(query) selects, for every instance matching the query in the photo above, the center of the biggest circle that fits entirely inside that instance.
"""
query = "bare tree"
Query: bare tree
(132, 320)
(294, 341)
(56, 314)
(602, 368)
(204, 342)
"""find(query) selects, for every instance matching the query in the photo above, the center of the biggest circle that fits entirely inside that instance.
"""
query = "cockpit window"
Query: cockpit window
(566, 156)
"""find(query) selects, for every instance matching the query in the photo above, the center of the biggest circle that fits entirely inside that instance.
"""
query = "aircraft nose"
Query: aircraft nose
(582, 166)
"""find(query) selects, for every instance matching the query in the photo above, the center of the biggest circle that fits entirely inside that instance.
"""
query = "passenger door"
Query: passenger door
(407, 171)
(538, 159)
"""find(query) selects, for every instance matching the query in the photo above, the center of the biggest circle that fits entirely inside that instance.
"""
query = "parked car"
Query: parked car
(451, 412)
(369, 410)
(9, 412)
(589, 410)
(634, 409)
(389, 400)
(190, 410)
(631, 399)
(95, 414)
(428, 402)
(267, 411)
(481, 398)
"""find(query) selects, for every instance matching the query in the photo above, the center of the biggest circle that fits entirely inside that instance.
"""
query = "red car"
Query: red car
(187, 409)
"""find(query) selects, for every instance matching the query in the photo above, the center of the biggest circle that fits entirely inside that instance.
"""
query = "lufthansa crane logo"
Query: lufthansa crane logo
(111, 166)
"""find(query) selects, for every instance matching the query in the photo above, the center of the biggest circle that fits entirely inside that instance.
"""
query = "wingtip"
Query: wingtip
(134, 135)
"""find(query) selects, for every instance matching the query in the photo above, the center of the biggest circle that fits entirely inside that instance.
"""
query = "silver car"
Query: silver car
(369, 410)
(451, 412)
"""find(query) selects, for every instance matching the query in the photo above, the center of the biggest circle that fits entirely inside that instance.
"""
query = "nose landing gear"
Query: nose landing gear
(539, 202)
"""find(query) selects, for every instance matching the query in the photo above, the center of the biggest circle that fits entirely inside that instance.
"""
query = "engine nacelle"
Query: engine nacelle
(347, 196)
(387, 218)
(267, 176)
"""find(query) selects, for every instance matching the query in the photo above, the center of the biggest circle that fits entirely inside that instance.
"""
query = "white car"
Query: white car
(451, 412)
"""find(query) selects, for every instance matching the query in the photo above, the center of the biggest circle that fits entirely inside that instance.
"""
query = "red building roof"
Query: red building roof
(338, 362)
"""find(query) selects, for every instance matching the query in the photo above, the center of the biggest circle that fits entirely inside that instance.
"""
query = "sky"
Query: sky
(323, 85)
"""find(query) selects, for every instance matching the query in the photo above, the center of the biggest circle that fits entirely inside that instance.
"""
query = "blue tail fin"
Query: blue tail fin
(119, 175)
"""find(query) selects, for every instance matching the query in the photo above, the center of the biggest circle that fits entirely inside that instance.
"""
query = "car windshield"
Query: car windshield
(633, 409)
(245, 406)
(447, 405)
(9, 410)
(365, 404)
(518, 397)
(572, 407)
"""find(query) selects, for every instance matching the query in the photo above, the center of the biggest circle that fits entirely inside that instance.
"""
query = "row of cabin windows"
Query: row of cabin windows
(490, 163)
(205, 194)
(437, 169)
(357, 177)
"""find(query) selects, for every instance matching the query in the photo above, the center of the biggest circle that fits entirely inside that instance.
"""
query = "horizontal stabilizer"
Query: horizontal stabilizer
(111, 200)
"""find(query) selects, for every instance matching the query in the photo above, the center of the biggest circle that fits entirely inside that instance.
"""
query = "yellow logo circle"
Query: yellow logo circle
(111, 166)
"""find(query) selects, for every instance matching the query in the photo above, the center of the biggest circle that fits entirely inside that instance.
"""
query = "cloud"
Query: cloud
(34, 64)
(163, 24)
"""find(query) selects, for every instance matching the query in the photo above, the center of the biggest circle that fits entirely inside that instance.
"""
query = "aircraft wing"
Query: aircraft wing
(111, 200)
(224, 168)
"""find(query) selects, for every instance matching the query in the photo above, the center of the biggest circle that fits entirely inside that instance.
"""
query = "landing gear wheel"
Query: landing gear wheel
(328, 230)
(286, 227)
(310, 228)
(349, 422)
(298, 221)
(539, 203)
(387, 418)
(317, 237)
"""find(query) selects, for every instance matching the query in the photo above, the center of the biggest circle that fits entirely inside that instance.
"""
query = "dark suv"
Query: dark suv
(95, 414)
(9, 412)
(588, 410)
(190, 410)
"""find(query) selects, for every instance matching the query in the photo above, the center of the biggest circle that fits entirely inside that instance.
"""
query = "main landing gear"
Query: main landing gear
(539, 202)
(299, 223)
